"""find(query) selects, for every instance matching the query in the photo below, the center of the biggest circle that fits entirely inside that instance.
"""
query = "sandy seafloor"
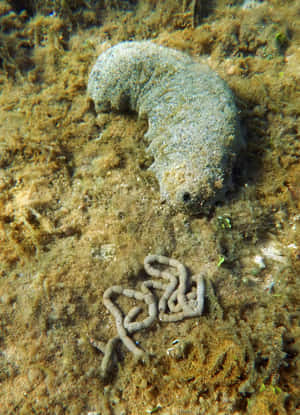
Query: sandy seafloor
(80, 211)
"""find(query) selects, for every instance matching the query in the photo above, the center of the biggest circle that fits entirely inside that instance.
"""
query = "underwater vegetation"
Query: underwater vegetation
(80, 210)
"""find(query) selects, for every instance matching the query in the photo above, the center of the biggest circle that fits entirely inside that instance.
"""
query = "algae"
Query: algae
(79, 211)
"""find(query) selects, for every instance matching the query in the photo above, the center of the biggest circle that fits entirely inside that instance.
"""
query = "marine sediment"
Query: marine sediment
(194, 132)
(181, 298)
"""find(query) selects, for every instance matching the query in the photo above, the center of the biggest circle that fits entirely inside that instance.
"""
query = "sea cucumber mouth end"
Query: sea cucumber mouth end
(187, 201)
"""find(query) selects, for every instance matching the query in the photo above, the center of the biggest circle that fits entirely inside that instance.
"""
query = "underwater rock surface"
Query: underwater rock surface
(194, 132)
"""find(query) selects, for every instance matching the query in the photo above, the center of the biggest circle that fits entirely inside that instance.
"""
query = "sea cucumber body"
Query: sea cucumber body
(194, 132)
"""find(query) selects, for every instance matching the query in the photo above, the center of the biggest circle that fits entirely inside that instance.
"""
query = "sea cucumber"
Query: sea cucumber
(194, 131)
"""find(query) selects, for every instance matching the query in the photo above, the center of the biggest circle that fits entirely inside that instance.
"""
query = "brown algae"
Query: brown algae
(79, 214)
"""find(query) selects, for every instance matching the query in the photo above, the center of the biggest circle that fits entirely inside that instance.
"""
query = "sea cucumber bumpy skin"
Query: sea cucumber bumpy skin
(194, 131)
